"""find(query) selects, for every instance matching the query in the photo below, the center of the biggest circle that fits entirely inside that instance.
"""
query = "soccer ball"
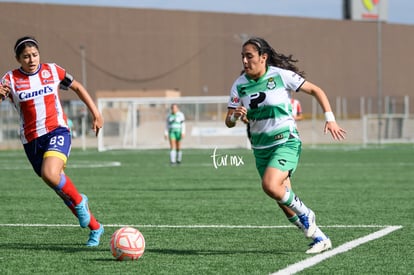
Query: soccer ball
(127, 244)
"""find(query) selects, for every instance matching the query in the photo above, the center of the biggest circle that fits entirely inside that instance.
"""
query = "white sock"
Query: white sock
(295, 221)
(179, 156)
(173, 156)
(293, 202)
(319, 234)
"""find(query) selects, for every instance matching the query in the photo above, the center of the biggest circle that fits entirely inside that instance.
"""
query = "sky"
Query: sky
(399, 11)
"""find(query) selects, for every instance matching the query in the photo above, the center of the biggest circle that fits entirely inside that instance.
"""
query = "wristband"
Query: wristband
(329, 116)
(233, 118)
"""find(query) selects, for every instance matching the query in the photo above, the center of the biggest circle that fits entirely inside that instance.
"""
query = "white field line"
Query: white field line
(292, 269)
(195, 226)
(74, 165)
(309, 262)
(16, 165)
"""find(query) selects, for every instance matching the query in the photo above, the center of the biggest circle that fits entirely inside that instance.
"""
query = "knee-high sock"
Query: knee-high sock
(67, 190)
(173, 156)
(294, 203)
(70, 195)
(295, 221)
(318, 233)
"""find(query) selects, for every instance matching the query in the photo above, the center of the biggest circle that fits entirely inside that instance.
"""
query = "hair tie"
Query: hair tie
(24, 41)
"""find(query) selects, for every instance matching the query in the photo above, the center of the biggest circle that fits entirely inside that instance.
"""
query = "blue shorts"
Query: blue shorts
(55, 143)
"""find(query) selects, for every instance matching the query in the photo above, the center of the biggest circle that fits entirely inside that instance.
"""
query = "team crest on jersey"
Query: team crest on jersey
(45, 74)
(271, 84)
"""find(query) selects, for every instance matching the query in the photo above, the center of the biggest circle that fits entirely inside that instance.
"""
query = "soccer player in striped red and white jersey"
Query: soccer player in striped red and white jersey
(33, 89)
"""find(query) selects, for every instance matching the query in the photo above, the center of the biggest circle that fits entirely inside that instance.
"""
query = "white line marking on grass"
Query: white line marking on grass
(36, 225)
(201, 226)
(196, 226)
(72, 165)
(92, 164)
(292, 269)
(152, 226)
(355, 226)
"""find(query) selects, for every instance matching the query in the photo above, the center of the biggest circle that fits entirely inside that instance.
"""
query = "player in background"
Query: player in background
(260, 97)
(175, 132)
(296, 107)
(33, 89)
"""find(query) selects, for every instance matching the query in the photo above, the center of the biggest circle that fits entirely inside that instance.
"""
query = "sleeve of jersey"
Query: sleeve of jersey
(183, 127)
(299, 111)
(234, 100)
(182, 123)
(166, 126)
(65, 78)
(292, 80)
(66, 81)
(5, 80)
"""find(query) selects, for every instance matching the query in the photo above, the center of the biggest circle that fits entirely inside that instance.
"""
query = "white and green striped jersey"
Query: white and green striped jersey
(267, 100)
(175, 122)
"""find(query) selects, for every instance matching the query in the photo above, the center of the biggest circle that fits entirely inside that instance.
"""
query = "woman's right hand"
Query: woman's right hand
(240, 112)
(4, 89)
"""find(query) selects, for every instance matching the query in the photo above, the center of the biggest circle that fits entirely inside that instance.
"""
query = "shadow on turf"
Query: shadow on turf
(62, 247)
(192, 252)
(194, 189)
(80, 248)
(216, 252)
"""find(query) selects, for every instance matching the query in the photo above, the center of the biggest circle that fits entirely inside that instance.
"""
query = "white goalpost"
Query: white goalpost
(387, 128)
(139, 123)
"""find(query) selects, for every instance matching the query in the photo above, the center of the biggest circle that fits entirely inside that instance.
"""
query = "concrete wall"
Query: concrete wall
(198, 53)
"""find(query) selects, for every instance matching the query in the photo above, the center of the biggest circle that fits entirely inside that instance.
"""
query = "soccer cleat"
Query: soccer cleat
(319, 245)
(95, 236)
(82, 212)
(309, 223)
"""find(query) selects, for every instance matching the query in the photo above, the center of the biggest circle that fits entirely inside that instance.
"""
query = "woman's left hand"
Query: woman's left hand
(337, 132)
(97, 124)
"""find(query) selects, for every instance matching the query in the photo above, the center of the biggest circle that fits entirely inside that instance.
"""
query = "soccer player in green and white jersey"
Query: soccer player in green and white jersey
(175, 132)
(260, 98)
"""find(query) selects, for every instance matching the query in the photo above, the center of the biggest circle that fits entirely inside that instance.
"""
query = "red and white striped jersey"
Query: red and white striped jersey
(36, 98)
(296, 107)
